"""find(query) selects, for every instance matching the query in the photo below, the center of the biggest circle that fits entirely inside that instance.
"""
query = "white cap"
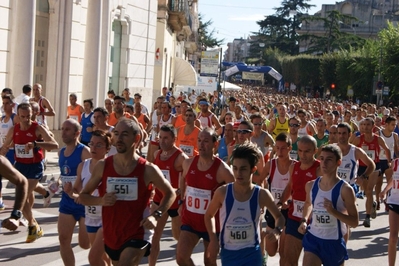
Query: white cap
(354, 107)
(386, 112)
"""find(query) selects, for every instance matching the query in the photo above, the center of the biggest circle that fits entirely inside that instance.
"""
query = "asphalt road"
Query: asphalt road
(367, 246)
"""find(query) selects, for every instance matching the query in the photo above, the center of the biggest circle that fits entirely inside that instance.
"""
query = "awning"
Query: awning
(230, 86)
(184, 73)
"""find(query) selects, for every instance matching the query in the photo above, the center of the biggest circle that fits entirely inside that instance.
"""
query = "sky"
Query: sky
(237, 18)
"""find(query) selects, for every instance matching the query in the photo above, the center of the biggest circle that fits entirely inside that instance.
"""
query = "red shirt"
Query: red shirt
(299, 179)
(372, 148)
(121, 222)
(171, 174)
(199, 191)
(20, 138)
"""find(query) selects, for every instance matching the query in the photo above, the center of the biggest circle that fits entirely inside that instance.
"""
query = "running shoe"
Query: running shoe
(366, 222)
(374, 210)
(2, 206)
(34, 232)
(47, 201)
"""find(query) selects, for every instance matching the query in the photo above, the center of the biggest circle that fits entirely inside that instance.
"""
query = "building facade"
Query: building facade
(88, 47)
(372, 16)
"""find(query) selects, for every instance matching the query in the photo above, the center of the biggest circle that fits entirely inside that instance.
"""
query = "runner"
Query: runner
(87, 122)
(370, 143)
(99, 144)
(46, 109)
(206, 117)
(187, 135)
(125, 182)
(21, 193)
(75, 110)
(278, 171)
(70, 212)
(391, 191)
(29, 159)
(202, 175)
(170, 160)
(305, 170)
(240, 205)
(332, 204)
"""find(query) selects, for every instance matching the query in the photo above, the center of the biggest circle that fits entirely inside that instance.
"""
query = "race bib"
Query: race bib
(294, 155)
(68, 179)
(241, 234)
(344, 174)
(298, 208)
(93, 211)
(166, 174)
(125, 188)
(371, 154)
(323, 220)
(74, 117)
(188, 150)
(277, 192)
(197, 200)
(21, 152)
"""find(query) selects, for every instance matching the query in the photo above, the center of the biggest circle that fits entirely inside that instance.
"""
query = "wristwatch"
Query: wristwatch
(157, 214)
(16, 214)
(279, 230)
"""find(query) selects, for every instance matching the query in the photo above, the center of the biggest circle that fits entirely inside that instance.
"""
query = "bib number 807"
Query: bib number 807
(196, 202)
(121, 189)
(237, 235)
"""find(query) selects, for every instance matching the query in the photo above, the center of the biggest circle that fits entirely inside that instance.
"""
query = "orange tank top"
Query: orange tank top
(188, 143)
(112, 120)
(179, 121)
(142, 121)
(74, 114)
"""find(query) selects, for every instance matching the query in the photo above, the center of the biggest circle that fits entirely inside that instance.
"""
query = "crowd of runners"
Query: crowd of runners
(218, 166)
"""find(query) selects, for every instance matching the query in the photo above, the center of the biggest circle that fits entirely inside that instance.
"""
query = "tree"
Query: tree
(280, 30)
(206, 36)
(334, 38)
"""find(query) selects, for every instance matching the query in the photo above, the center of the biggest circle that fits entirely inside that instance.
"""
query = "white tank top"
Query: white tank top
(323, 224)
(92, 213)
(303, 131)
(206, 121)
(4, 128)
(167, 122)
(393, 193)
(277, 181)
(390, 141)
(348, 168)
(240, 221)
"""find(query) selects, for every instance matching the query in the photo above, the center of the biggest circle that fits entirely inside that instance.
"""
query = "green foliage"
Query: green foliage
(206, 36)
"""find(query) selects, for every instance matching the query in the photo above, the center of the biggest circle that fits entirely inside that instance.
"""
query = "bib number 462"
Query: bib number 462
(323, 219)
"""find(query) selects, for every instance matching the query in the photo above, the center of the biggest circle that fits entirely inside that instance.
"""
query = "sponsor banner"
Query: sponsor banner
(252, 76)
(210, 63)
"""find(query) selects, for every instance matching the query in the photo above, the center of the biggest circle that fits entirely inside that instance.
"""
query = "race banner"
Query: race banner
(252, 76)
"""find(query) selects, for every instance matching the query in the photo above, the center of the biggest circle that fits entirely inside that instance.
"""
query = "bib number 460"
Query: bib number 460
(237, 235)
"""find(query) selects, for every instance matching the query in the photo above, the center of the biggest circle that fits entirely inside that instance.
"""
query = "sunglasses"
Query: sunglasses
(294, 125)
(258, 124)
(244, 131)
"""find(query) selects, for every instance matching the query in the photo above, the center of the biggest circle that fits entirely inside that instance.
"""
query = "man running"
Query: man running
(331, 203)
(202, 175)
(240, 205)
(125, 182)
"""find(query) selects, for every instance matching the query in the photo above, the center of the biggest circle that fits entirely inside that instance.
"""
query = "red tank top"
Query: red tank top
(199, 191)
(20, 138)
(299, 179)
(121, 222)
(372, 149)
(171, 174)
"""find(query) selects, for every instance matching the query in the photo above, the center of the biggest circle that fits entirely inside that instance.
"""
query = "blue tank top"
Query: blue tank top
(68, 168)
(222, 150)
(86, 122)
